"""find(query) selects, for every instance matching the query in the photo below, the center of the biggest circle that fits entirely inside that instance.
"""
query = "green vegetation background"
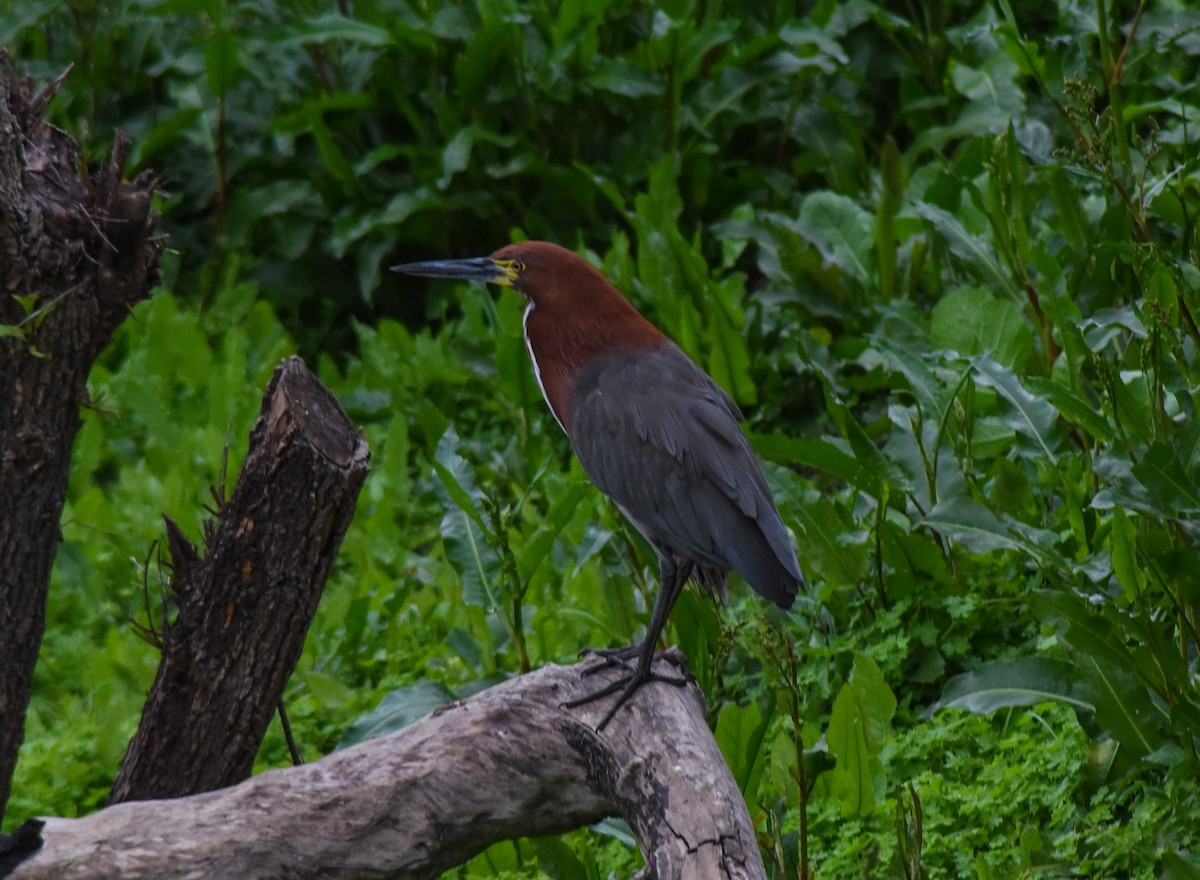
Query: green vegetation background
(943, 254)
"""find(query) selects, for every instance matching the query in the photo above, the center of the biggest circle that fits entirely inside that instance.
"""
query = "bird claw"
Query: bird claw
(610, 656)
(621, 656)
(627, 685)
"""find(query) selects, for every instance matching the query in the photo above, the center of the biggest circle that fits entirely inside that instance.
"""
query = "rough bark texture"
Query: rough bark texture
(245, 607)
(508, 762)
(75, 255)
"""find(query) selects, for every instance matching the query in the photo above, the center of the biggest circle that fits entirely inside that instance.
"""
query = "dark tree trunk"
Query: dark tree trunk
(245, 607)
(75, 255)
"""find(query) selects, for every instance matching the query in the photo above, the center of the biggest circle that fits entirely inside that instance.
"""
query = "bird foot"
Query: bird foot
(624, 687)
(621, 656)
(610, 656)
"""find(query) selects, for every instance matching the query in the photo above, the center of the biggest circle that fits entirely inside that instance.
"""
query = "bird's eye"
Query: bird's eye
(518, 266)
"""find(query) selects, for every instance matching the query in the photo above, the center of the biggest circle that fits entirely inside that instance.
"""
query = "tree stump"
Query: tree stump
(76, 253)
(245, 607)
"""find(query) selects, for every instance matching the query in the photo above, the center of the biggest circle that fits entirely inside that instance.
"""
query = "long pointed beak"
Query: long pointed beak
(477, 269)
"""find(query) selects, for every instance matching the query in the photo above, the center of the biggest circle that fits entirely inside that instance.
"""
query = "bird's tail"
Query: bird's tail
(763, 555)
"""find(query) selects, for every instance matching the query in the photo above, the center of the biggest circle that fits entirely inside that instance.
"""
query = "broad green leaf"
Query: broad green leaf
(973, 322)
(1123, 541)
(1003, 684)
(27, 303)
(852, 779)
(826, 546)
(819, 454)
(624, 78)
(800, 34)
(457, 155)
(1179, 867)
(457, 478)
(352, 226)
(729, 359)
(475, 560)
(1163, 474)
(328, 691)
(1123, 705)
(720, 95)
(956, 320)
(616, 829)
(970, 247)
(556, 858)
(1185, 715)
(1109, 324)
(221, 61)
(995, 96)
(1072, 407)
(877, 467)
(782, 766)
(840, 230)
(333, 26)
(1015, 206)
(452, 23)
(333, 158)
(1072, 222)
(480, 63)
(741, 734)
(971, 524)
(538, 548)
(991, 437)
(932, 394)
(1131, 403)
(1110, 676)
(697, 625)
(859, 723)
(1080, 625)
(463, 528)
(397, 710)
(1034, 417)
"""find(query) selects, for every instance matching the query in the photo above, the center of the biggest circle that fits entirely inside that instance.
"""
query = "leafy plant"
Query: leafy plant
(945, 258)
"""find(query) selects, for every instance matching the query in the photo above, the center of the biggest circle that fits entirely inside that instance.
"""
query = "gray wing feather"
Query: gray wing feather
(661, 439)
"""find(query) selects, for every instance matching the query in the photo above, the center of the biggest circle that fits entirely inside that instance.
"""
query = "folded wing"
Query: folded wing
(661, 439)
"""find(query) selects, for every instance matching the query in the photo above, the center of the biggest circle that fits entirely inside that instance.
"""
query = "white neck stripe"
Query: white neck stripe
(537, 372)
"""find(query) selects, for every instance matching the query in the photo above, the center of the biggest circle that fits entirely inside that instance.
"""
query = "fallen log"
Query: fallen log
(509, 762)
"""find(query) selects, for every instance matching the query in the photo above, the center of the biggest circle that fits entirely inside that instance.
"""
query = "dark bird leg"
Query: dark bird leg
(672, 576)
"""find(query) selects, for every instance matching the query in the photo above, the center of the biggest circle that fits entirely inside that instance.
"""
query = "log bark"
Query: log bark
(508, 762)
(76, 252)
(244, 608)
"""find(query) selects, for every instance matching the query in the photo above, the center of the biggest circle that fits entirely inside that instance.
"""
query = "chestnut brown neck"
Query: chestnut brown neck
(565, 330)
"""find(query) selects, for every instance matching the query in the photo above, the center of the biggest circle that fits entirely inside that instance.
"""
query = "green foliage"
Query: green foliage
(946, 261)
(859, 722)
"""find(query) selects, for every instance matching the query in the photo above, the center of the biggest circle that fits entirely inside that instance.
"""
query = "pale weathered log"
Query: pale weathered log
(508, 762)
